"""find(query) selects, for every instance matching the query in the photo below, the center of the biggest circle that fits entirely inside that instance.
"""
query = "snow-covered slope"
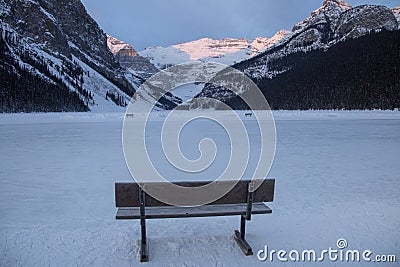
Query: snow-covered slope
(60, 44)
(163, 57)
(227, 51)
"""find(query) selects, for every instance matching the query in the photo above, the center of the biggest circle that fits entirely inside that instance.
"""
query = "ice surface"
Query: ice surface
(337, 176)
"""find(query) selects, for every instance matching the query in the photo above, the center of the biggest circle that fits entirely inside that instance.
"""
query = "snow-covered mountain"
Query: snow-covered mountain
(335, 21)
(57, 52)
(327, 36)
(149, 61)
(54, 57)
(227, 51)
(209, 48)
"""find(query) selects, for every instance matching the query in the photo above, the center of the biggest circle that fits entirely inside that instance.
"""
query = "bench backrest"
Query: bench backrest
(127, 194)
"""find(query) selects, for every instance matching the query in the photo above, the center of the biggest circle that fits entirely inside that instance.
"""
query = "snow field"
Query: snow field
(337, 176)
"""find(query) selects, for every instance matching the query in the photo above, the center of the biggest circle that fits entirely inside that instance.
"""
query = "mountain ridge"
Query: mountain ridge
(318, 34)
(55, 57)
(58, 43)
(227, 50)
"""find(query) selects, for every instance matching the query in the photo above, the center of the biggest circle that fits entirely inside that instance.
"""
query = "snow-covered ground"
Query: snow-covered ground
(337, 176)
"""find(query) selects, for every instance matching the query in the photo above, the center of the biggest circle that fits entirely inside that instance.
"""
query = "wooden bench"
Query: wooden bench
(133, 203)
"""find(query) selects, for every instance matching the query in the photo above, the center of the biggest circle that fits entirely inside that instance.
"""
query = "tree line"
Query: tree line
(362, 73)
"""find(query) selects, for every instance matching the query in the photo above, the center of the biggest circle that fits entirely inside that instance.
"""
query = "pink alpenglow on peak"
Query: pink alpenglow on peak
(226, 51)
(340, 4)
(207, 47)
(259, 44)
(116, 45)
(330, 9)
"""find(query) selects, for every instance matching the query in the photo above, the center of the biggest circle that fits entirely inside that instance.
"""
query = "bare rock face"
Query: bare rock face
(127, 53)
(29, 19)
(130, 59)
(360, 20)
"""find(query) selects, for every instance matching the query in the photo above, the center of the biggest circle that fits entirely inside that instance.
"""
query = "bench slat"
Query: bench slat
(183, 212)
(127, 194)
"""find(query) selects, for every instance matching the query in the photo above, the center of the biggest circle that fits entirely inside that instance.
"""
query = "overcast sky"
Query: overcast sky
(143, 23)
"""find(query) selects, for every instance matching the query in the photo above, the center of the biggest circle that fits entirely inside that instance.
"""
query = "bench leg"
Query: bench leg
(144, 252)
(239, 237)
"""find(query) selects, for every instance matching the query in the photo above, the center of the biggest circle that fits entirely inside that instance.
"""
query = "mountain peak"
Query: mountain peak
(115, 45)
(207, 47)
(330, 9)
(339, 5)
(336, 2)
(226, 51)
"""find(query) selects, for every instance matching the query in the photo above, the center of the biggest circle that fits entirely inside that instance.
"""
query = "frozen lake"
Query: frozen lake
(337, 176)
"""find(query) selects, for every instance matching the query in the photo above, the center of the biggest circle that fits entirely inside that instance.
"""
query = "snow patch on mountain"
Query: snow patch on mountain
(96, 83)
(187, 92)
(163, 57)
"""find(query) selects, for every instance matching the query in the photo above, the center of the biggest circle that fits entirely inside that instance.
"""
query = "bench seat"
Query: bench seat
(185, 212)
(245, 198)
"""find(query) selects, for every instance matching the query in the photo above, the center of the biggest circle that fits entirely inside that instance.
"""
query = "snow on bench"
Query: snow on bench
(133, 203)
